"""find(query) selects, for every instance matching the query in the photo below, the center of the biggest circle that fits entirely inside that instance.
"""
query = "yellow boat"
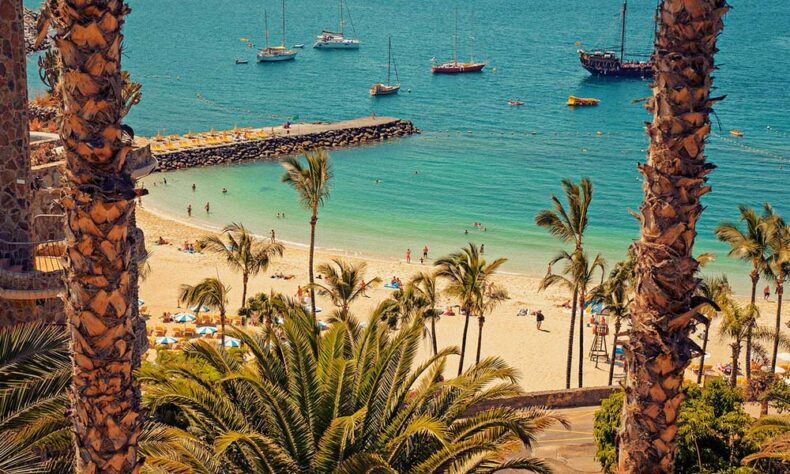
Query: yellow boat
(736, 133)
(573, 100)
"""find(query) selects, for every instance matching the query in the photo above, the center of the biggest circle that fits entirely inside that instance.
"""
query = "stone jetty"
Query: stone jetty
(271, 143)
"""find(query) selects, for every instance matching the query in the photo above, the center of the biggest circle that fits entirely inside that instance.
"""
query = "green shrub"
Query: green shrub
(711, 439)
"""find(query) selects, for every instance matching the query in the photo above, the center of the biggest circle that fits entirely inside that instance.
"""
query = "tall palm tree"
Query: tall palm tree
(264, 309)
(35, 372)
(777, 268)
(425, 284)
(568, 223)
(344, 282)
(99, 203)
(659, 348)
(467, 274)
(211, 293)
(312, 185)
(490, 298)
(337, 401)
(243, 253)
(580, 273)
(750, 245)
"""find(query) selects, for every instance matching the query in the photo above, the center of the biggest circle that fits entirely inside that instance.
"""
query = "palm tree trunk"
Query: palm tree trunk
(244, 281)
(779, 292)
(433, 331)
(736, 353)
(614, 350)
(701, 370)
(569, 365)
(106, 412)
(582, 297)
(755, 276)
(659, 349)
(463, 340)
(480, 321)
(313, 221)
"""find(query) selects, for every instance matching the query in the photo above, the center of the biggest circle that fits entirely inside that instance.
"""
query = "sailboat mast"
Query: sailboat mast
(341, 17)
(455, 37)
(622, 32)
(283, 23)
(266, 26)
(389, 59)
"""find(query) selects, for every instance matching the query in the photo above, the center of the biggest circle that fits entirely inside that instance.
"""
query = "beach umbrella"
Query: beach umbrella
(184, 317)
(783, 356)
(323, 325)
(779, 370)
(203, 330)
(201, 309)
(140, 302)
(166, 340)
(232, 342)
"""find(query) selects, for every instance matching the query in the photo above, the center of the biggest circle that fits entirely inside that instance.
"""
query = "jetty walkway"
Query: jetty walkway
(248, 144)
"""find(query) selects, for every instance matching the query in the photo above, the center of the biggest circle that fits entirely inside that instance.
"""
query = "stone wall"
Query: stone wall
(572, 398)
(275, 147)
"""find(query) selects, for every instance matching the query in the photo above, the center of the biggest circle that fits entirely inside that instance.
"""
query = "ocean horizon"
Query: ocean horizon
(478, 159)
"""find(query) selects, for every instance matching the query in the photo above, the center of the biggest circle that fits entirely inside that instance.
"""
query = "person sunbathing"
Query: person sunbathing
(448, 312)
(162, 241)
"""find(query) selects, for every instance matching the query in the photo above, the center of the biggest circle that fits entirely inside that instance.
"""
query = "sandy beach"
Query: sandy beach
(539, 355)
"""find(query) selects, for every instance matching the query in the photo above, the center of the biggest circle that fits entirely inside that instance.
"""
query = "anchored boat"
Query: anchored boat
(573, 100)
(337, 39)
(454, 66)
(610, 64)
(275, 53)
(387, 88)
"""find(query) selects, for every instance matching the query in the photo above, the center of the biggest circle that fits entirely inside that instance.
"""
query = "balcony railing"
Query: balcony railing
(44, 256)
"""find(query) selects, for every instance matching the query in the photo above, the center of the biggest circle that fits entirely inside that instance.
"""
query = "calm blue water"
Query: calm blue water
(478, 159)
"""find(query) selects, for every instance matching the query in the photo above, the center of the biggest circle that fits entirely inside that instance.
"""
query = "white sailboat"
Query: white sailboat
(337, 39)
(387, 88)
(275, 53)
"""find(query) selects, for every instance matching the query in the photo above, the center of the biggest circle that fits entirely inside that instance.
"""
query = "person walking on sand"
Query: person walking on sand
(189, 210)
(363, 289)
(767, 292)
(408, 255)
(425, 252)
(482, 249)
(273, 237)
(300, 294)
(539, 319)
(208, 208)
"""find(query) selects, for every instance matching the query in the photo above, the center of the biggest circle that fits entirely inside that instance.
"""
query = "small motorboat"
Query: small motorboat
(298, 46)
(736, 133)
(573, 100)
(514, 102)
(242, 61)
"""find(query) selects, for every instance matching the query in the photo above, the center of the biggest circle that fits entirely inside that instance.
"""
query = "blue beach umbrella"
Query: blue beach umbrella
(166, 340)
(140, 302)
(203, 330)
(322, 325)
(232, 342)
(201, 309)
(184, 317)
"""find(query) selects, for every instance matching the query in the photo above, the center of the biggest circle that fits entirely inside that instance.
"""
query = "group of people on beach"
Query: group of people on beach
(422, 259)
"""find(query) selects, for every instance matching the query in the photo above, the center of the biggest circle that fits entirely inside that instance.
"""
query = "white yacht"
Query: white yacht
(337, 39)
(275, 53)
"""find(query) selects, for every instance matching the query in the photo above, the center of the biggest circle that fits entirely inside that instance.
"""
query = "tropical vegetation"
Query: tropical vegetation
(467, 277)
(343, 282)
(350, 399)
(211, 293)
(242, 252)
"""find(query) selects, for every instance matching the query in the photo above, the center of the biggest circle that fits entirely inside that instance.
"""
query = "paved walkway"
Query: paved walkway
(569, 451)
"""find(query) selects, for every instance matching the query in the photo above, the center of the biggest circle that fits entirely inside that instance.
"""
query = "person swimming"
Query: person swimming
(224, 190)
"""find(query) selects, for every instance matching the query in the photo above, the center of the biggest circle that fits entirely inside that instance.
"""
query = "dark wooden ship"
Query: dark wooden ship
(610, 64)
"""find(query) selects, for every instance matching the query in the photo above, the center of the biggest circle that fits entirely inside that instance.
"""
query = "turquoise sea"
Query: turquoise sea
(478, 159)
